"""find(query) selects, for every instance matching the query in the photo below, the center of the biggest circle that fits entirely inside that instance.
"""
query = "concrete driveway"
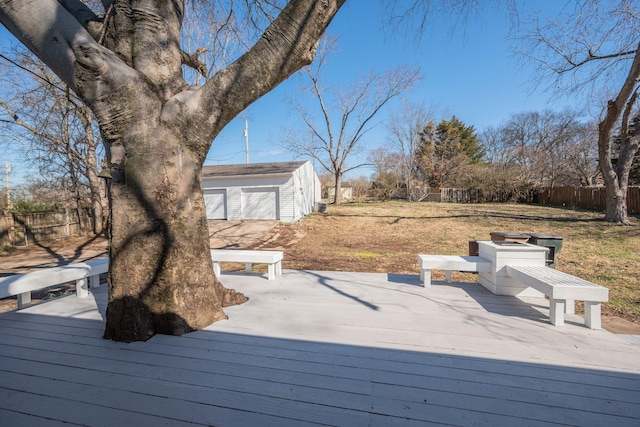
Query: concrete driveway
(238, 234)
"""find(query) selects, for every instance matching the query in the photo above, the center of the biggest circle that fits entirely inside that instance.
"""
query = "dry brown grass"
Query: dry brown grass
(386, 237)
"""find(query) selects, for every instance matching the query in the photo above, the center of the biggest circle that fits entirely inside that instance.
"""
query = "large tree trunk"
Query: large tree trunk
(337, 197)
(160, 275)
(616, 178)
(616, 202)
(157, 131)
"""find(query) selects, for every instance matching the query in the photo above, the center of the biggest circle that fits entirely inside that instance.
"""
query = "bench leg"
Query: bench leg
(81, 288)
(94, 281)
(279, 268)
(271, 272)
(24, 299)
(570, 306)
(592, 315)
(447, 276)
(216, 269)
(248, 267)
(425, 276)
(556, 312)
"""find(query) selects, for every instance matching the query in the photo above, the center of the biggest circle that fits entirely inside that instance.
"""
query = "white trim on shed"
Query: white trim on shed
(284, 191)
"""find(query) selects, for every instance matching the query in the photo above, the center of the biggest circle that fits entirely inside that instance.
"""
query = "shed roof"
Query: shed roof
(251, 169)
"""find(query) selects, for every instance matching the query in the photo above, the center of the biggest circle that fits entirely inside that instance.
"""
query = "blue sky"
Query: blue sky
(470, 73)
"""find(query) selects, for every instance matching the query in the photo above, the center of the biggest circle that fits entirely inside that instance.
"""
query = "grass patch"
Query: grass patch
(365, 254)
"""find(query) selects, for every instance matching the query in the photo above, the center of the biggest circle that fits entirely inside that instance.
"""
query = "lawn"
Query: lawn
(386, 237)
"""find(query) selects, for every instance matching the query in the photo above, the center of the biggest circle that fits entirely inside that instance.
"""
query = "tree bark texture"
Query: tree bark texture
(616, 177)
(158, 131)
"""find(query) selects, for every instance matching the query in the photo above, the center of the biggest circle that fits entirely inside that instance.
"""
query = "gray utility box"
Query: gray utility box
(553, 243)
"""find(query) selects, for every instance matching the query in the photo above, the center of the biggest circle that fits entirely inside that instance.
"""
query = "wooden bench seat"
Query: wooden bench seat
(450, 263)
(563, 289)
(273, 259)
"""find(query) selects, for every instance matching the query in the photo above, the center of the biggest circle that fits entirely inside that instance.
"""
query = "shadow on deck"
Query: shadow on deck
(330, 348)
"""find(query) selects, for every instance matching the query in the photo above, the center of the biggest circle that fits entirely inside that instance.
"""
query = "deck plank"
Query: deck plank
(322, 348)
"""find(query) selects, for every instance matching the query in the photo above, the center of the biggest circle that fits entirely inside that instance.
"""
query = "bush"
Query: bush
(26, 206)
(7, 249)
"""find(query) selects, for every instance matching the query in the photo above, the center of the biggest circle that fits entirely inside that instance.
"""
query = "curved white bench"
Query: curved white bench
(22, 284)
(450, 263)
(272, 258)
(83, 273)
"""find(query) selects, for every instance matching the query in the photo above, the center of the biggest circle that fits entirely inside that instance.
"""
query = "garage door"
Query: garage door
(260, 203)
(215, 201)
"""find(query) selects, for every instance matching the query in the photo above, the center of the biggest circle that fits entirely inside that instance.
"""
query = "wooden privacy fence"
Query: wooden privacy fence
(21, 229)
(590, 198)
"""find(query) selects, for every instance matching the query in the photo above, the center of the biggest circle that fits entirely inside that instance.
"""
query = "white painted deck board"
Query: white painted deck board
(327, 348)
(13, 418)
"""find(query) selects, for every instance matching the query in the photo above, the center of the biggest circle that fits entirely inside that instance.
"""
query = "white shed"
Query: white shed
(284, 191)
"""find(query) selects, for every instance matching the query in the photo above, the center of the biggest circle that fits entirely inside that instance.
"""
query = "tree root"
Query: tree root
(229, 297)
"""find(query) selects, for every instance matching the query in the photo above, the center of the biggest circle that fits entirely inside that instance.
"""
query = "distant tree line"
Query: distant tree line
(529, 151)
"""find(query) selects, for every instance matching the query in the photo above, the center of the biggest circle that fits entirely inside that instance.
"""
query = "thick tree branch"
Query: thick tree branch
(85, 16)
(573, 64)
(286, 46)
(616, 106)
(193, 61)
(52, 34)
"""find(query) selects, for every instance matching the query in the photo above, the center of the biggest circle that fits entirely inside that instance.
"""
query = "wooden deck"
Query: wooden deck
(349, 349)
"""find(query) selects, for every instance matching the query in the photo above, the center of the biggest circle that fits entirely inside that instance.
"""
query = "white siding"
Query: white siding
(296, 194)
(287, 202)
(308, 190)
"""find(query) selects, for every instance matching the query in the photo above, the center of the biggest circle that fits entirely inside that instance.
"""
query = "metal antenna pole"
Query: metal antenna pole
(246, 140)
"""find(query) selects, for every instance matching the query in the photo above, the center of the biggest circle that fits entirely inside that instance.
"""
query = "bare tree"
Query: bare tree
(344, 122)
(417, 17)
(124, 60)
(405, 129)
(54, 130)
(593, 47)
(387, 178)
(549, 147)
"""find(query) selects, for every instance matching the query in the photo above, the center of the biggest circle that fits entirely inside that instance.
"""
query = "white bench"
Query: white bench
(272, 258)
(563, 289)
(450, 263)
(98, 266)
(82, 273)
(22, 284)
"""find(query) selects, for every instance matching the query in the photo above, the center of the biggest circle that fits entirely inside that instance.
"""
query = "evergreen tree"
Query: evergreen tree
(444, 148)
